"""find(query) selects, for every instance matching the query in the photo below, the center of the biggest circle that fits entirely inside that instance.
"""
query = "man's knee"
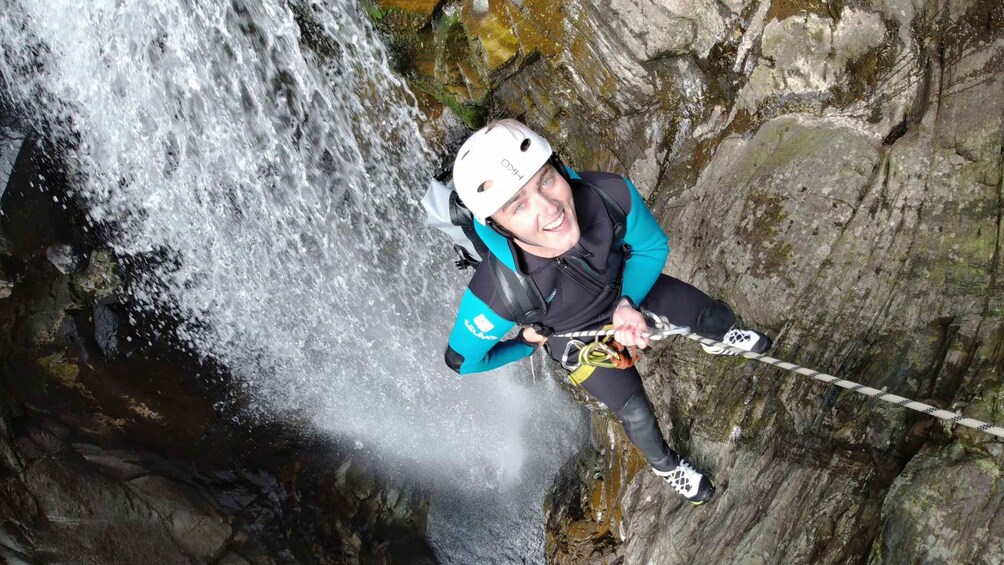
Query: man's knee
(715, 318)
(636, 412)
(642, 429)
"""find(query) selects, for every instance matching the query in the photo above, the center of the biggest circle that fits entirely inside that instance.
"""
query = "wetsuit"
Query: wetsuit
(582, 287)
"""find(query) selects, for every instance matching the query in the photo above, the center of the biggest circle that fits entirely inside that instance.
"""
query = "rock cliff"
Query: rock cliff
(833, 170)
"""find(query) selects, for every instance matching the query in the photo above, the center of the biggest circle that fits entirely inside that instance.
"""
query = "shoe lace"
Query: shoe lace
(679, 478)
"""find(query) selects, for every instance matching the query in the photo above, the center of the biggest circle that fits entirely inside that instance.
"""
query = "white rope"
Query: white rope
(664, 329)
(533, 372)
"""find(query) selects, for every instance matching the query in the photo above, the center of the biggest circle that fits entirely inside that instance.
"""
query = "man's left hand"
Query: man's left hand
(532, 337)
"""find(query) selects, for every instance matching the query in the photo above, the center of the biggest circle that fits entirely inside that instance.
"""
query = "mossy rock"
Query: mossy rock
(493, 33)
(398, 22)
(99, 280)
(419, 7)
(57, 366)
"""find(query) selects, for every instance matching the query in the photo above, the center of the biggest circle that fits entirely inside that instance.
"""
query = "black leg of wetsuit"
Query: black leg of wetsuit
(685, 305)
(621, 391)
(642, 428)
(613, 387)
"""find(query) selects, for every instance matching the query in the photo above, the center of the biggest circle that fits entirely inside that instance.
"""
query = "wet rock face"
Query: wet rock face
(69, 495)
(832, 170)
(11, 139)
(82, 494)
(117, 448)
(65, 258)
(585, 521)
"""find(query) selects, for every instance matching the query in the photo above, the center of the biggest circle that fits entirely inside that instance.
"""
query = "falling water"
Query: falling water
(264, 165)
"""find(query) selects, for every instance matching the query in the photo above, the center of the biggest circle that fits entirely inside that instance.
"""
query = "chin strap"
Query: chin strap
(508, 234)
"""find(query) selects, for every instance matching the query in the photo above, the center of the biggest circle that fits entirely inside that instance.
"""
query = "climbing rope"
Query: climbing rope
(663, 329)
(603, 352)
(611, 355)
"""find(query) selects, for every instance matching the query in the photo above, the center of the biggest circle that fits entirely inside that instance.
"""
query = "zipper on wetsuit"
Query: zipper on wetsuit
(578, 277)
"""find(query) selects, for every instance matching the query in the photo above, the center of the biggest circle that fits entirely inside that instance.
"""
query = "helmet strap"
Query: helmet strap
(559, 166)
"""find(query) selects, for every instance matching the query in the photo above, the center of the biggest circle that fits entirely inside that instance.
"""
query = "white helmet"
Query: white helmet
(505, 152)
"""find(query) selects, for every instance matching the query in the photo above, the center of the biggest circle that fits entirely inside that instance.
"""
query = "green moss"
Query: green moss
(472, 113)
(988, 466)
(99, 280)
(62, 371)
(442, 67)
(58, 367)
(771, 255)
(374, 12)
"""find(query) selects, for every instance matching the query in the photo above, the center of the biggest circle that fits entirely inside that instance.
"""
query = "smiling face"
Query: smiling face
(542, 215)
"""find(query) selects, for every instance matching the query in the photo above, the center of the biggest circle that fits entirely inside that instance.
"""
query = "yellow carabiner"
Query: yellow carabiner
(604, 353)
(599, 354)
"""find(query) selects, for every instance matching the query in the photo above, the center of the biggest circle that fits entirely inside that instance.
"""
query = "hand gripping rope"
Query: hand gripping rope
(663, 328)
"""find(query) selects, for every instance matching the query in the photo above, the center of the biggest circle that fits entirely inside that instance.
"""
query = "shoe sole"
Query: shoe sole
(766, 347)
(711, 494)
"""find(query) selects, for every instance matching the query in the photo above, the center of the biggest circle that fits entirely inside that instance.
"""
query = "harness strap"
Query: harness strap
(519, 293)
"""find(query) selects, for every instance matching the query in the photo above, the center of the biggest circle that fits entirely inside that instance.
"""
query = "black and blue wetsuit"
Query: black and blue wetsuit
(582, 286)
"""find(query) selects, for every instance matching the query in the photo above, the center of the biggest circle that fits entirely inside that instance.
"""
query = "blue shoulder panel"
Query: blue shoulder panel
(476, 336)
(649, 248)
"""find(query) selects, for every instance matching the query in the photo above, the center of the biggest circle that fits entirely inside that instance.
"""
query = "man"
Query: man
(595, 252)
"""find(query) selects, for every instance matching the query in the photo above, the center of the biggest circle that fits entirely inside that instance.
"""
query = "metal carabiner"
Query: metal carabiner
(568, 365)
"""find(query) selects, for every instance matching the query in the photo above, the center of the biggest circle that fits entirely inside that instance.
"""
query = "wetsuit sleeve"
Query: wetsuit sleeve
(649, 248)
(475, 344)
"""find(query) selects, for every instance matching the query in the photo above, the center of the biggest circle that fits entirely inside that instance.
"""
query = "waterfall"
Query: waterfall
(264, 165)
